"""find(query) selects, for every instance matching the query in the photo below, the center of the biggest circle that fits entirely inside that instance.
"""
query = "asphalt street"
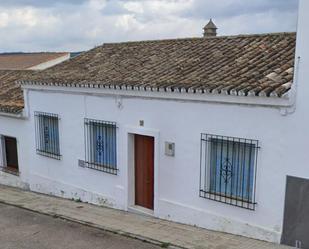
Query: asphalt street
(22, 229)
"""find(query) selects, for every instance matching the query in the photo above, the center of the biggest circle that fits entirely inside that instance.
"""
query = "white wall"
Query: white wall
(284, 142)
(17, 128)
(177, 194)
(177, 179)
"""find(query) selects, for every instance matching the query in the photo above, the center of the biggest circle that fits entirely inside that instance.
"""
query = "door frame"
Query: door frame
(130, 132)
(3, 156)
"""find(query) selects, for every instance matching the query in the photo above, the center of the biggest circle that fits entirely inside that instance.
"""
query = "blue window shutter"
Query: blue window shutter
(98, 145)
(51, 135)
(110, 143)
(231, 169)
(47, 134)
(104, 140)
(222, 167)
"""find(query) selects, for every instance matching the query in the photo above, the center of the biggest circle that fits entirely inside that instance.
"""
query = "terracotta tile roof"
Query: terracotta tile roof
(23, 61)
(260, 65)
(11, 96)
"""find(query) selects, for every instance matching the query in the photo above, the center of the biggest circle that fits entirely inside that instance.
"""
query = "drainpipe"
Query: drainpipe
(26, 111)
(293, 92)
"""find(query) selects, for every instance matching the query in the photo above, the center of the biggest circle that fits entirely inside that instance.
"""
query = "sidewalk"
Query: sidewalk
(153, 230)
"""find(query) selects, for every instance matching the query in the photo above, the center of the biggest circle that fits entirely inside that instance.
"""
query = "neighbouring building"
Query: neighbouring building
(14, 66)
(207, 131)
(31, 61)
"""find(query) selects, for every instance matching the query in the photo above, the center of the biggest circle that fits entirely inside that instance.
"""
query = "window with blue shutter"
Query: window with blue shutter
(228, 170)
(47, 134)
(101, 145)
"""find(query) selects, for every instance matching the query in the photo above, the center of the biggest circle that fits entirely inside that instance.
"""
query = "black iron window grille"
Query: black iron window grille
(228, 170)
(47, 134)
(100, 149)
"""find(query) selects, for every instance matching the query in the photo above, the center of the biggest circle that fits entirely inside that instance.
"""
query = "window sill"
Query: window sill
(103, 168)
(9, 170)
(47, 154)
(230, 197)
(229, 200)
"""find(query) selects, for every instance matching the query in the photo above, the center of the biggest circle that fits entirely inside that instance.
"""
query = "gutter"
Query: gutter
(222, 98)
(19, 115)
(293, 91)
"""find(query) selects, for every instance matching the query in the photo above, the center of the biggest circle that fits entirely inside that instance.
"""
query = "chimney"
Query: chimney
(210, 29)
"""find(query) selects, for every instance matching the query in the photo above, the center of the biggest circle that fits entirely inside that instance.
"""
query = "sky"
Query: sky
(77, 25)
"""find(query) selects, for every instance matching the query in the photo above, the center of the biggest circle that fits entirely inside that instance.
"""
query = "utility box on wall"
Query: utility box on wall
(169, 149)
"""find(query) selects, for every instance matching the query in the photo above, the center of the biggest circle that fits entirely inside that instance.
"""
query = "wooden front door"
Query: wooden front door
(144, 171)
(11, 153)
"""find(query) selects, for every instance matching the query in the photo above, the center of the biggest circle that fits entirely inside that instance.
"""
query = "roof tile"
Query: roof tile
(24, 61)
(254, 65)
(235, 63)
(11, 96)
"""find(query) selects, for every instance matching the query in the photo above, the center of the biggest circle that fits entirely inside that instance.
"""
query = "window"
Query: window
(228, 169)
(47, 134)
(100, 143)
(8, 154)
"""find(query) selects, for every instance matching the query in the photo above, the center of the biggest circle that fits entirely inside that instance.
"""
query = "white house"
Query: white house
(205, 131)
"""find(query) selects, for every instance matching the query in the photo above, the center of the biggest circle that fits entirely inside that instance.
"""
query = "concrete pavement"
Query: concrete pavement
(150, 229)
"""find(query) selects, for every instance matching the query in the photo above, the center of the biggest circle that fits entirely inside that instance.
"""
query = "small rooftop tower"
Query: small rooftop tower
(210, 29)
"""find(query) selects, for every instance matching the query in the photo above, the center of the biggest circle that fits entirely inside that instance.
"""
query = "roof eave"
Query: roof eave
(204, 95)
(13, 114)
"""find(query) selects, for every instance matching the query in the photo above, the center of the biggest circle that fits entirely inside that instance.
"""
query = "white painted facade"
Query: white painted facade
(280, 125)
